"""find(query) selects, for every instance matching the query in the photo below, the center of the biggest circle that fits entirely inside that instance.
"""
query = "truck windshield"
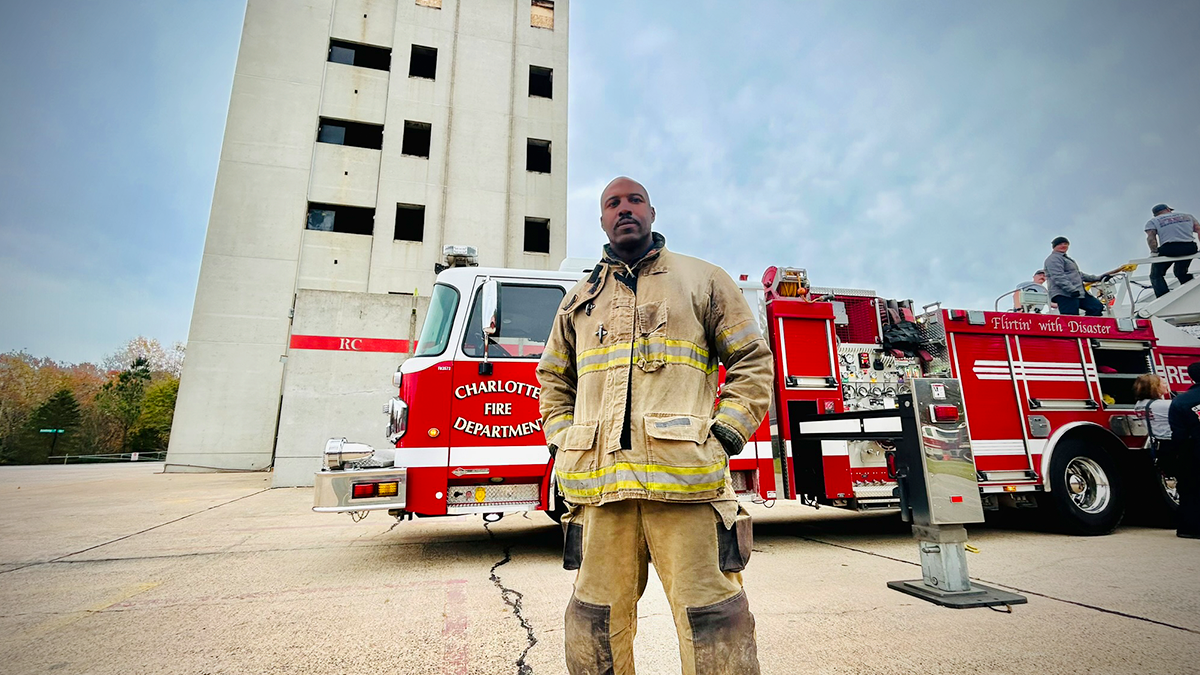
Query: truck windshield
(435, 334)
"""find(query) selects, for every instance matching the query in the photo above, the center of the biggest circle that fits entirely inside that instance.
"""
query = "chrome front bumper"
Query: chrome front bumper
(333, 490)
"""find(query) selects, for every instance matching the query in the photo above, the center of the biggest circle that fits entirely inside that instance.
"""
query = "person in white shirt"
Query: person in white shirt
(1170, 234)
(1153, 396)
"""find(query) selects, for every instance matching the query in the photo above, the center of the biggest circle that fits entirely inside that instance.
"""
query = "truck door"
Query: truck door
(498, 457)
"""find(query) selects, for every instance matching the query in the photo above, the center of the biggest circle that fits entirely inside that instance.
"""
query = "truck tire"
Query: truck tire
(1086, 489)
(1162, 499)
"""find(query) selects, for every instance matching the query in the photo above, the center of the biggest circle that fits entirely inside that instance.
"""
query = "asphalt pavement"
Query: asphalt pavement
(123, 569)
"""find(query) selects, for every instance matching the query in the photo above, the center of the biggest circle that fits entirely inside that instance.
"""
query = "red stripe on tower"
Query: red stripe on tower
(348, 344)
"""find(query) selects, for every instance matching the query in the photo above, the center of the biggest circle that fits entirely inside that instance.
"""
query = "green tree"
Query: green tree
(152, 431)
(60, 411)
(121, 398)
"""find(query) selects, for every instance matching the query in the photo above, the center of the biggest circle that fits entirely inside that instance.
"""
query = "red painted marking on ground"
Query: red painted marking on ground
(456, 651)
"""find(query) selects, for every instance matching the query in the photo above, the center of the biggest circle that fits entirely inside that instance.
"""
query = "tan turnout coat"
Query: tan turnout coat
(686, 316)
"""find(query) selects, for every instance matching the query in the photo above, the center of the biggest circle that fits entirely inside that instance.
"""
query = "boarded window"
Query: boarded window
(337, 218)
(410, 222)
(416, 139)
(542, 14)
(537, 235)
(364, 56)
(541, 82)
(357, 134)
(436, 4)
(422, 62)
(537, 155)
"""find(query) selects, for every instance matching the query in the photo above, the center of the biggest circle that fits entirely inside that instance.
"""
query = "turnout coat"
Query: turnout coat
(646, 353)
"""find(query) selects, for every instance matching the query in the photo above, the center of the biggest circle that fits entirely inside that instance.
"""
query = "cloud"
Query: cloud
(110, 139)
(929, 151)
(925, 151)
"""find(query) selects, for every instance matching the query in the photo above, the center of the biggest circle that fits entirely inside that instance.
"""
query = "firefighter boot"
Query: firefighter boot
(697, 558)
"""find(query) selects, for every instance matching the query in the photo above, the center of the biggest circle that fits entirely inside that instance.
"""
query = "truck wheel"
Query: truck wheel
(1162, 498)
(1086, 489)
(1169, 491)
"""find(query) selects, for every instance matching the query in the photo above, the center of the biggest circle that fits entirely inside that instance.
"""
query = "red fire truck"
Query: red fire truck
(1047, 399)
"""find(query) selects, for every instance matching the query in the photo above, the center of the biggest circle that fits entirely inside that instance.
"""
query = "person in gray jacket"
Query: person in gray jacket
(1065, 282)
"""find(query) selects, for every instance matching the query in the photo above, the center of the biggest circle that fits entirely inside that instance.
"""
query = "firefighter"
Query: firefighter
(1184, 416)
(629, 380)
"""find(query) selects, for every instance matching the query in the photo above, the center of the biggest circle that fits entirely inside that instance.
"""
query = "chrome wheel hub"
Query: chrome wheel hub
(1088, 485)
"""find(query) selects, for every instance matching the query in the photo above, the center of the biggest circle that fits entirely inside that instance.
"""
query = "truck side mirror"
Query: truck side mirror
(490, 305)
(489, 310)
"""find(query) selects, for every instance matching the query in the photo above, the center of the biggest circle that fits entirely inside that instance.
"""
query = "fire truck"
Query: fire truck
(1047, 403)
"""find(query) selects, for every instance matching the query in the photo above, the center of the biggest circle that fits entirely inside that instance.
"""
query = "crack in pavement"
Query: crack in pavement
(1084, 605)
(513, 599)
(134, 534)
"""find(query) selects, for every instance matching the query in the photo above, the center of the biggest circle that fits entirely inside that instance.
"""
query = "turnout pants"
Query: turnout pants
(698, 560)
(1158, 270)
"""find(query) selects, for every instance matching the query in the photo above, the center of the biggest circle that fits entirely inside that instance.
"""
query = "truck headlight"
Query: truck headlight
(397, 412)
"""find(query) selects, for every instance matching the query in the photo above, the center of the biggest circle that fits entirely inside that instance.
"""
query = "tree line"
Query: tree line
(123, 404)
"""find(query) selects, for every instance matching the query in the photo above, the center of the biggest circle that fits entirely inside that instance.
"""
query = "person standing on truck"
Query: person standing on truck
(1038, 283)
(1184, 416)
(1066, 282)
(1170, 234)
(629, 379)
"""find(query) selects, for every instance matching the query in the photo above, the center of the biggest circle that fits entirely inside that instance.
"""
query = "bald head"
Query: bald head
(624, 183)
(626, 216)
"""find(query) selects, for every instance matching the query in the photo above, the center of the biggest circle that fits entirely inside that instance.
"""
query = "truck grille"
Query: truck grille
(498, 494)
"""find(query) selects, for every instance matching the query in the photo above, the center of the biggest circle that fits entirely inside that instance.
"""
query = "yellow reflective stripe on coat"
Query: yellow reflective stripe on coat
(603, 358)
(736, 417)
(637, 485)
(735, 338)
(555, 362)
(675, 351)
(558, 423)
(628, 476)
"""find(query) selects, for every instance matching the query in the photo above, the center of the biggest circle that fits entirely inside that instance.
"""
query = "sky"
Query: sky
(924, 150)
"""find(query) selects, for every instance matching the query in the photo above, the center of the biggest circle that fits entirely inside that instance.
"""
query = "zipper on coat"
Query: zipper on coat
(627, 423)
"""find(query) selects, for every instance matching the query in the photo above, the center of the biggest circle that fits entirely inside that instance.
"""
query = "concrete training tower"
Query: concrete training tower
(362, 137)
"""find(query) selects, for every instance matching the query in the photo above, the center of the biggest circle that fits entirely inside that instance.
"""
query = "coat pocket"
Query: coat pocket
(575, 460)
(651, 318)
(580, 436)
(676, 427)
(650, 342)
(681, 440)
(735, 544)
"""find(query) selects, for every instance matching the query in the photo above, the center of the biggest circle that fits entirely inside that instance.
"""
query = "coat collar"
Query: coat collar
(657, 247)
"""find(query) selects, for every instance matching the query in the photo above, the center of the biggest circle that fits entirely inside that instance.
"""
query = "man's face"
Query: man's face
(1039, 278)
(1062, 248)
(625, 213)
